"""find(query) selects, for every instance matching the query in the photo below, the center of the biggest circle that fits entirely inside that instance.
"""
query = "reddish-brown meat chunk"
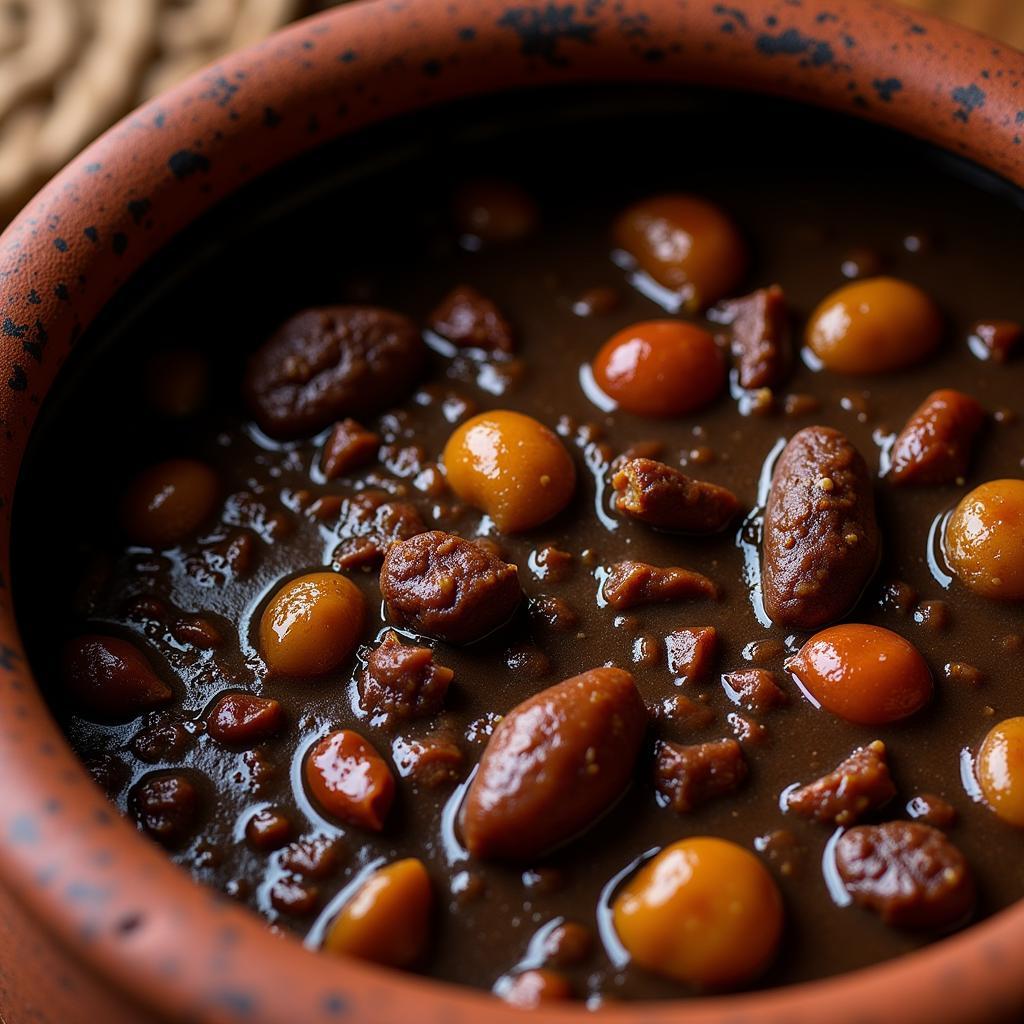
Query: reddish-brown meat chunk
(166, 806)
(859, 785)
(553, 765)
(165, 740)
(447, 587)
(932, 810)
(111, 678)
(909, 874)
(685, 714)
(470, 320)
(402, 680)
(349, 447)
(432, 761)
(243, 719)
(935, 445)
(688, 776)
(754, 689)
(661, 496)
(325, 364)
(691, 652)
(629, 584)
(268, 829)
(821, 536)
(368, 525)
(995, 339)
(760, 336)
(312, 857)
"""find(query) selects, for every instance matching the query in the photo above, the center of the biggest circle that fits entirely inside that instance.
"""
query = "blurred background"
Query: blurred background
(70, 68)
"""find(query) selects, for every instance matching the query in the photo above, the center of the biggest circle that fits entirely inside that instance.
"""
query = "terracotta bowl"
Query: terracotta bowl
(95, 923)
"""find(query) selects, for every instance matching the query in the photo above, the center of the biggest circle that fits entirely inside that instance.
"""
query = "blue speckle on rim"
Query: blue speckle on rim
(34, 298)
(23, 830)
(886, 88)
(335, 1004)
(91, 233)
(348, 56)
(13, 330)
(61, 245)
(138, 208)
(542, 30)
(467, 34)
(271, 118)
(119, 242)
(187, 162)
(792, 42)
(968, 99)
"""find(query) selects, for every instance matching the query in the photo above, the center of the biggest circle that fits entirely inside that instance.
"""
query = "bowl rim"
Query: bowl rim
(76, 866)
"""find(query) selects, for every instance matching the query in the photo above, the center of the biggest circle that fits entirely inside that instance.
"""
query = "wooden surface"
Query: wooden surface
(1003, 19)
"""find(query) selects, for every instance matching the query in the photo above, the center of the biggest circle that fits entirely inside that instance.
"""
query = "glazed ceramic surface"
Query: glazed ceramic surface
(131, 935)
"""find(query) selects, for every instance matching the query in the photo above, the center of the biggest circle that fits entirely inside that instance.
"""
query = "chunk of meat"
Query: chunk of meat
(629, 584)
(821, 537)
(349, 447)
(470, 320)
(166, 806)
(683, 713)
(754, 689)
(760, 336)
(368, 525)
(688, 776)
(995, 339)
(663, 497)
(691, 652)
(909, 874)
(243, 719)
(325, 364)
(431, 761)
(860, 784)
(553, 765)
(402, 681)
(935, 445)
(447, 587)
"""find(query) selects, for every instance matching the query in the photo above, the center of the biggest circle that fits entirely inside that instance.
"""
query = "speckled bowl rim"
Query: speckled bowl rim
(111, 898)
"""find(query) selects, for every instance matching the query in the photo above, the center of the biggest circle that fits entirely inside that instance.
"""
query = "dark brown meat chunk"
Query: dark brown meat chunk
(243, 719)
(368, 525)
(470, 320)
(553, 765)
(111, 678)
(325, 364)
(691, 652)
(166, 806)
(760, 336)
(684, 714)
(349, 447)
(935, 445)
(165, 740)
(754, 689)
(688, 776)
(932, 810)
(858, 785)
(447, 587)
(268, 829)
(663, 497)
(629, 584)
(312, 857)
(402, 681)
(909, 874)
(821, 537)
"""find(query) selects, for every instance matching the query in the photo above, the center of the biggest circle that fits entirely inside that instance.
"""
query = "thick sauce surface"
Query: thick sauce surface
(389, 241)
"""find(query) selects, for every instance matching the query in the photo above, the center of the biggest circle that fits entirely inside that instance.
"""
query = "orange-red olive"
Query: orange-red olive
(350, 780)
(874, 326)
(660, 368)
(1000, 770)
(686, 244)
(510, 466)
(169, 501)
(984, 543)
(387, 921)
(312, 624)
(865, 674)
(704, 911)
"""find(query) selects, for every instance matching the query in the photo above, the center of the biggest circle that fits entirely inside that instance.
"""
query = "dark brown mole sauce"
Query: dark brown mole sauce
(385, 238)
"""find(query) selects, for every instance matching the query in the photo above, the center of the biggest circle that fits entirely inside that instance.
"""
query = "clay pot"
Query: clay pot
(95, 924)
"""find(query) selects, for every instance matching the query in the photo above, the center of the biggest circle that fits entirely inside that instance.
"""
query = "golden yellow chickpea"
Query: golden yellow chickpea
(685, 243)
(169, 501)
(874, 326)
(387, 921)
(704, 911)
(984, 542)
(312, 624)
(511, 467)
(1000, 770)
